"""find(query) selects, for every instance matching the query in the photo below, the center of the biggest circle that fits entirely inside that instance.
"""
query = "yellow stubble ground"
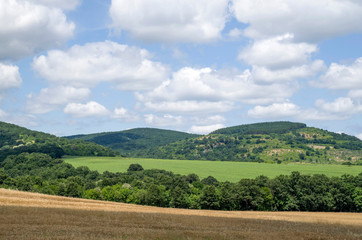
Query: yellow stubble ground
(26, 215)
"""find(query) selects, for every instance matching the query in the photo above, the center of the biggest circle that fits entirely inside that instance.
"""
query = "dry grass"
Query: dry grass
(36, 216)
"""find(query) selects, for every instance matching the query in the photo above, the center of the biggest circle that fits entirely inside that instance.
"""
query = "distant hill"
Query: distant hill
(134, 141)
(261, 128)
(273, 142)
(266, 142)
(15, 140)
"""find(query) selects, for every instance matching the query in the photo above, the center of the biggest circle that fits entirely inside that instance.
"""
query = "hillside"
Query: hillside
(38, 216)
(15, 140)
(133, 141)
(266, 142)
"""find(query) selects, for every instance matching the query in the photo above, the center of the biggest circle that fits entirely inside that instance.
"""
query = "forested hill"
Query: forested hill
(273, 142)
(15, 140)
(261, 128)
(133, 141)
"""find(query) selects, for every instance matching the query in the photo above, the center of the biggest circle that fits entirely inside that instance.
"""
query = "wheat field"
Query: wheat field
(26, 215)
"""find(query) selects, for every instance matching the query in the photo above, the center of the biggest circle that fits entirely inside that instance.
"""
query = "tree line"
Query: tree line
(38, 172)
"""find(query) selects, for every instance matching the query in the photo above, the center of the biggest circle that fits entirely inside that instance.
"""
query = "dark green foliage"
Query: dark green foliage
(134, 142)
(15, 140)
(135, 167)
(261, 128)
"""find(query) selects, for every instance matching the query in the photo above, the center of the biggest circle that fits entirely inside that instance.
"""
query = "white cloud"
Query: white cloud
(235, 33)
(123, 114)
(63, 4)
(342, 106)
(341, 76)
(276, 110)
(208, 120)
(205, 90)
(9, 77)
(86, 66)
(90, 109)
(359, 136)
(51, 98)
(308, 20)
(170, 21)
(190, 107)
(27, 28)
(265, 75)
(277, 52)
(205, 129)
(290, 110)
(355, 94)
(164, 120)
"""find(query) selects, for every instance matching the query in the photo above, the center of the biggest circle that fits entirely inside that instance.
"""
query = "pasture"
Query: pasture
(26, 215)
(223, 171)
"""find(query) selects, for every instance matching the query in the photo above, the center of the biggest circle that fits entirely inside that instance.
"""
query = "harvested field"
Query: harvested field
(37, 216)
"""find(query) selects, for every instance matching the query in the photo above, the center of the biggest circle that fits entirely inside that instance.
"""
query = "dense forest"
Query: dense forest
(132, 141)
(38, 172)
(15, 140)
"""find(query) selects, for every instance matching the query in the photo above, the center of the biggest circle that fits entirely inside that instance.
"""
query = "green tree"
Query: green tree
(210, 198)
(135, 167)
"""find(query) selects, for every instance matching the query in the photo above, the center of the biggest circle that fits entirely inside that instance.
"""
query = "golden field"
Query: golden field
(26, 215)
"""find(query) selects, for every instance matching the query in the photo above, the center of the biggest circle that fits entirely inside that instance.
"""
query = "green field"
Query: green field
(223, 171)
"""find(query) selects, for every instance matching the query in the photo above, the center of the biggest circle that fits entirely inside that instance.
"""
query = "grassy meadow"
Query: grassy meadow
(223, 171)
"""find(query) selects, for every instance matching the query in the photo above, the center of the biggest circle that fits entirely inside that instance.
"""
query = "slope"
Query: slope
(135, 141)
(267, 142)
(15, 140)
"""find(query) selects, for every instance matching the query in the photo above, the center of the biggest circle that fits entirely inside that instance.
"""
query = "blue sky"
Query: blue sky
(76, 66)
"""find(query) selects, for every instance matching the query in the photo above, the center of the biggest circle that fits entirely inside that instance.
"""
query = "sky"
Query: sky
(85, 66)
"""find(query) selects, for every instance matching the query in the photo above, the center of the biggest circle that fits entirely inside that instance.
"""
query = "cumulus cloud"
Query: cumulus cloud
(50, 99)
(265, 75)
(325, 18)
(27, 28)
(164, 120)
(355, 94)
(323, 111)
(86, 66)
(123, 114)
(63, 4)
(359, 136)
(208, 120)
(277, 52)
(9, 77)
(276, 110)
(170, 21)
(340, 76)
(90, 109)
(192, 90)
(342, 106)
(205, 129)
(190, 107)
